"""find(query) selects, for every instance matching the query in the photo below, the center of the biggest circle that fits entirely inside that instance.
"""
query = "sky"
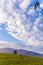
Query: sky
(21, 25)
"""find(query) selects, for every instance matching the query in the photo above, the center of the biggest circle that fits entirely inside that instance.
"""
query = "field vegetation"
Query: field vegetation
(14, 59)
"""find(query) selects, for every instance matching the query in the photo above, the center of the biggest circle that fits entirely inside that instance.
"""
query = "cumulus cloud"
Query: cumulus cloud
(26, 27)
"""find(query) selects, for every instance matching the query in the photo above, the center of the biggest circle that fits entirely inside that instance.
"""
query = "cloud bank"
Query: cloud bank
(6, 44)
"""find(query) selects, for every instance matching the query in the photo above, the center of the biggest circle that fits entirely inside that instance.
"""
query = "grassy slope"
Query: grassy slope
(11, 59)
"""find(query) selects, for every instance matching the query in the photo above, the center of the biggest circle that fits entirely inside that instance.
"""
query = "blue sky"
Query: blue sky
(21, 26)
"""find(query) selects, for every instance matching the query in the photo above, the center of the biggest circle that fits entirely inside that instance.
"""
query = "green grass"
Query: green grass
(13, 59)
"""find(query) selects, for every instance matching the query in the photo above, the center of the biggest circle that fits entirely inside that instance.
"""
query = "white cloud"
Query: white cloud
(31, 11)
(4, 44)
(24, 4)
(1, 15)
(33, 41)
(41, 5)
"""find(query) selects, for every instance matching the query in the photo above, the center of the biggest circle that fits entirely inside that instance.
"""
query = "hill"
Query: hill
(12, 59)
(20, 51)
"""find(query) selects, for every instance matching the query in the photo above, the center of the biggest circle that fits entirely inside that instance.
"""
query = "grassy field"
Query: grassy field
(12, 59)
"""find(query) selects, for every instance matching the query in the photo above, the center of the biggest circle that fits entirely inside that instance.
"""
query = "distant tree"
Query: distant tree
(20, 55)
(15, 51)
